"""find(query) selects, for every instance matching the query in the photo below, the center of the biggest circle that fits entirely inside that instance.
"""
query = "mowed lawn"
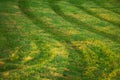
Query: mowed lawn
(59, 40)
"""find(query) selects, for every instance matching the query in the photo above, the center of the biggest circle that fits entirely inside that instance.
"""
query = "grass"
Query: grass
(59, 40)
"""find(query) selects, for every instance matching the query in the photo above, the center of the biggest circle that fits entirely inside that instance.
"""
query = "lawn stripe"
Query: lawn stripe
(92, 10)
(79, 21)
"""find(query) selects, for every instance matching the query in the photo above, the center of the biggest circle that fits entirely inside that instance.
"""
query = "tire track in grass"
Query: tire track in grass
(18, 75)
(64, 16)
(12, 52)
(107, 15)
(23, 52)
(108, 60)
(50, 30)
(99, 65)
(94, 10)
(110, 5)
(91, 27)
(59, 35)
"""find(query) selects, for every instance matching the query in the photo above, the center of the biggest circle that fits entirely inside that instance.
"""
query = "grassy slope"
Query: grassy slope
(59, 40)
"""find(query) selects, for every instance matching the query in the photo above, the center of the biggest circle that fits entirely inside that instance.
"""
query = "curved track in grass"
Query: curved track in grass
(58, 40)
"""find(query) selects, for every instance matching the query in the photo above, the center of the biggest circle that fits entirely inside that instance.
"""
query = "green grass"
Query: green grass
(59, 40)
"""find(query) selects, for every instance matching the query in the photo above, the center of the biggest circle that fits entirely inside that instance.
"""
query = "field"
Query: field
(59, 40)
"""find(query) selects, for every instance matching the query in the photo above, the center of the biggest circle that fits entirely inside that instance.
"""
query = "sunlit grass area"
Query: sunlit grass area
(59, 40)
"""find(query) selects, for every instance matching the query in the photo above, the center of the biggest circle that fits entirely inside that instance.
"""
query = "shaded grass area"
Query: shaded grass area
(46, 40)
(110, 5)
(92, 8)
(28, 49)
(77, 17)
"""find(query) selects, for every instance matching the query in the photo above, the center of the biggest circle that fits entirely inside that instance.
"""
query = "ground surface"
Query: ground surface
(59, 40)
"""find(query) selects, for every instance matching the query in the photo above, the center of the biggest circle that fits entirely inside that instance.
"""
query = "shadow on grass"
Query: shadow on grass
(91, 28)
(76, 62)
(10, 35)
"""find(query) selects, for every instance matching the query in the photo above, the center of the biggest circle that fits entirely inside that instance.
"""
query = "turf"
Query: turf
(59, 40)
